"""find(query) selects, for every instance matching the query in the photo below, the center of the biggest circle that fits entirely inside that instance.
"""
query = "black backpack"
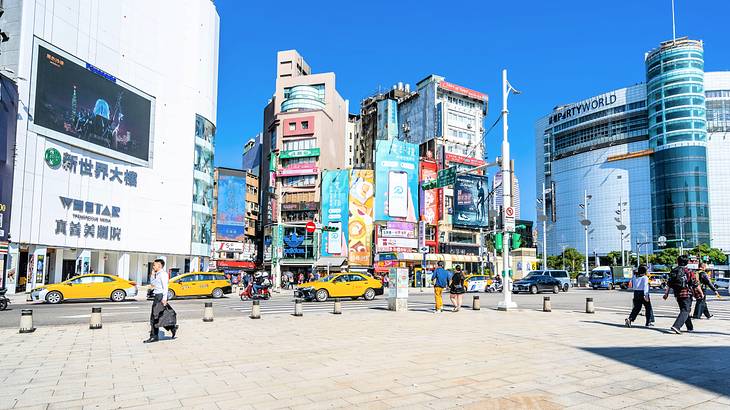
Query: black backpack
(678, 278)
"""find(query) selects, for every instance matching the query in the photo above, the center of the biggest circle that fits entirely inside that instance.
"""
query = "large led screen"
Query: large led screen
(82, 105)
(231, 215)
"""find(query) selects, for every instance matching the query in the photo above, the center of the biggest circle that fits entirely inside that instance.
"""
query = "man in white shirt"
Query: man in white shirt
(640, 283)
(159, 282)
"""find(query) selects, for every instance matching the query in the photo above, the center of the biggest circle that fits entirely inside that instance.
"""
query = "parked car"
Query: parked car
(211, 284)
(657, 280)
(346, 284)
(476, 283)
(722, 283)
(561, 275)
(94, 286)
(537, 283)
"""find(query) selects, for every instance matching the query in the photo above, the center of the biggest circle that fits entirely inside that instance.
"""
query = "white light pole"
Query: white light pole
(585, 221)
(621, 227)
(507, 303)
(543, 218)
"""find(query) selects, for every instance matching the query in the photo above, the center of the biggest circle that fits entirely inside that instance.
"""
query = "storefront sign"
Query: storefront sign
(236, 264)
(85, 166)
(300, 206)
(387, 244)
(460, 159)
(231, 206)
(429, 197)
(293, 244)
(463, 91)
(228, 246)
(300, 169)
(100, 215)
(583, 107)
(299, 153)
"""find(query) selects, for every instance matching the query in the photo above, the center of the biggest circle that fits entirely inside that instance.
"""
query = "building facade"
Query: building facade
(717, 102)
(497, 188)
(107, 166)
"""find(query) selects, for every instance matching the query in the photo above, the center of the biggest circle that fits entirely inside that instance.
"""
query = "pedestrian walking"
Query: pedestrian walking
(456, 288)
(161, 315)
(440, 280)
(685, 285)
(640, 284)
(705, 282)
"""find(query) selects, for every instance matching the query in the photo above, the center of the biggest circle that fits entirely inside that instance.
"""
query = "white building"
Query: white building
(499, 191)
(717, 100)
(115, 136)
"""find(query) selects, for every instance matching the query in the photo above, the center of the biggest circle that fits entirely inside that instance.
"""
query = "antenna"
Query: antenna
(674, 29)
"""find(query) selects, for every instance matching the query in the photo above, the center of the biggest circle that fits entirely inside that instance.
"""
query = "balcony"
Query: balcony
(303, 97)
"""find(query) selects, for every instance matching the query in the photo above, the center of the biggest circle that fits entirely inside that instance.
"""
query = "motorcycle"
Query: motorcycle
(4, 301)
(495, 287)
(248, 294)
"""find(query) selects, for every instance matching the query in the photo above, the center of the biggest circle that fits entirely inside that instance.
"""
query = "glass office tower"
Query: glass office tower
(678, 135)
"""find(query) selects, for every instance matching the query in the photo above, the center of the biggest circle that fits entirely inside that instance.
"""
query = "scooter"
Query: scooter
(262, 294)
(4, 301)
(495, 287)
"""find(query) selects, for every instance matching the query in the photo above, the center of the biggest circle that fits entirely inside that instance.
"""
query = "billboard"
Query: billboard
(360, 224)
(396, 181)
(77, 103)
(470, 201)
(429, 197)
(230, 224)
(8, 120)
(396, 237)
(335, 184)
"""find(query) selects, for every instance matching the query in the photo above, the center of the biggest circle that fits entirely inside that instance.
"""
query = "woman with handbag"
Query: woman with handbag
(456, 288)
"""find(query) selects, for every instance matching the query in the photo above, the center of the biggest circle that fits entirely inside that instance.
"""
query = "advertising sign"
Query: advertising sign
(398, 284)
(8, 120)
(360, 224)
(463, 91)
(387, 120)
(299, 153)
(460, 159)
(388, 244)
(398, 230)
(396, 181)
(429, 197)
(77, 103)
(202, 219)
(335, 201)
(298, 169)
(228, 246)
(470, 201)
(231, 206)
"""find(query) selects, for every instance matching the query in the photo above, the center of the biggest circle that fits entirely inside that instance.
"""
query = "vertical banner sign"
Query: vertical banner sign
(8, 121)
(429, 197)
(360, 224)
(470, 201)
(396, 181)
(335, 200)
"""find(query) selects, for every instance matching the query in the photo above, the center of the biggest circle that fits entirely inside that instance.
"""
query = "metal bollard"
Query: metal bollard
(546, 304)
(298, 311)
(590, 307)
(208, 312)
(476, 304)
(26, 321)
(338, 307)
(95, 319)
(256, 310)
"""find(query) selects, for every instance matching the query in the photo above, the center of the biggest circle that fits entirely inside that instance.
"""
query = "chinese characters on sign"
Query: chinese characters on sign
(86, 167)
(97, 219)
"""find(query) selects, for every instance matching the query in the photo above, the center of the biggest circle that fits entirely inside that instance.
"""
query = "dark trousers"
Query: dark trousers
(684, 318)
(701, 308)
(640, 302)
(154, 322)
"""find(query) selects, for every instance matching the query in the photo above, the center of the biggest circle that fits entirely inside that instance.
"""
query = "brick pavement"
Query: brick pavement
(372, 359)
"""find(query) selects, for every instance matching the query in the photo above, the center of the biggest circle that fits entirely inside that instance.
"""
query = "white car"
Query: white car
(476, 283)
(722, 283)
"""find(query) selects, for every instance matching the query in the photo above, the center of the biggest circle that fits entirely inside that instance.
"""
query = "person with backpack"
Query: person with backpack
(640, 284)
(705, 282)
(685, 285)
(440, 280)
(456, 288)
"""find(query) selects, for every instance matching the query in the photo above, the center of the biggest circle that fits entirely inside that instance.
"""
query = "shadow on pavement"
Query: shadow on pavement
(655, 329)
(704, 367)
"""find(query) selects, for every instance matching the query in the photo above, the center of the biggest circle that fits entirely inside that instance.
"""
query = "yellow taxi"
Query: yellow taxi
(92, 286)
(341, 285)
(211, 284)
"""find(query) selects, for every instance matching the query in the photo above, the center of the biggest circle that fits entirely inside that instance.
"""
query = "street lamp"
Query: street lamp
(621, 227)
(585, 221)
(543, 218)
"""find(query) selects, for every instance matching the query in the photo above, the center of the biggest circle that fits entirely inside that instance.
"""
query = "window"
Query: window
(300, 144)
(302, 180)
(355, 278)
(292, 126)
(305, 125)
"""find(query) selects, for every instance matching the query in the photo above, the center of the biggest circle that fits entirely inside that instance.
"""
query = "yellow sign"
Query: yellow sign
(636, 154)
(360, 225)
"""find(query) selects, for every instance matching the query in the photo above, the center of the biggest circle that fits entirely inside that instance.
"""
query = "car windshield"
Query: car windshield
(598, 274)
(533, 274)
(327, 278)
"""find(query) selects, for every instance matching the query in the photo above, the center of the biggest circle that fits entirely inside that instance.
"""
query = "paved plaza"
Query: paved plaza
(372, 359)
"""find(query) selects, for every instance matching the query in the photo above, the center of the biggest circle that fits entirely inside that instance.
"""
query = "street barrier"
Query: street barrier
(95, 319)
(26, 321)
(256, 310)
(590, 307)
(546, 304)
(476, 304)
(338, 307)
(208, 312)
(298, 311)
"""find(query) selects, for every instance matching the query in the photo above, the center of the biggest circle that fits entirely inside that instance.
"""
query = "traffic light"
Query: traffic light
(330, 229)
(498, 241)
(516, 241)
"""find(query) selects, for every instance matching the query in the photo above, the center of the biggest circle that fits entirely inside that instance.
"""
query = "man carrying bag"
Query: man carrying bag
(162, 314)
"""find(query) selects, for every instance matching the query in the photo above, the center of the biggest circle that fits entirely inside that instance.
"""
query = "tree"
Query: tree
(614, 257)
(667, 257)
(573, 259)
(713, 254)
(555, 261)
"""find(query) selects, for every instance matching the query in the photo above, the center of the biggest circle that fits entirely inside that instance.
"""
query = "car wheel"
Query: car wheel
(595, 288)
(3, 304)
(533, 289)
(170, 294)
(556, 289)
(217, 293)
(54, 297)
(610, 287)
(118, 296)
(565, 287)
(369, 294)
(321, 295)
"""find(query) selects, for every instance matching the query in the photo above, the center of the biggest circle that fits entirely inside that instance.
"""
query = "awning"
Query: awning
(331, 261)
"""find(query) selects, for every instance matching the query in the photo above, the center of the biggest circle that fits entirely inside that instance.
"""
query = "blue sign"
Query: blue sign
(335, 211)
(293, 244)
(396, 181)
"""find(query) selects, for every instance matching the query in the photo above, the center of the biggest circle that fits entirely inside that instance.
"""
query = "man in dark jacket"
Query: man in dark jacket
(705, 282)
(684, 283)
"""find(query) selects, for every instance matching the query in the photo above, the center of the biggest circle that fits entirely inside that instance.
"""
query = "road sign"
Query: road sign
(311, 227)
(446, 177)
(509, 219)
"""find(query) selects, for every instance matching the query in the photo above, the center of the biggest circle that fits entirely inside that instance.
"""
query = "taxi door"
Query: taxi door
(186, 285)
(101, 287)
(340, 286)
(358, 284)
(73, 288)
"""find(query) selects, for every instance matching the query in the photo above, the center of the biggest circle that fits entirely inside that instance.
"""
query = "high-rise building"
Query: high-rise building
(498, 192)
(251, 158)
(717, 102)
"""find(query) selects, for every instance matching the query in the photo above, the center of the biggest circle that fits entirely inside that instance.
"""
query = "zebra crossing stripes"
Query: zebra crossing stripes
(282, 306)
(719, 309)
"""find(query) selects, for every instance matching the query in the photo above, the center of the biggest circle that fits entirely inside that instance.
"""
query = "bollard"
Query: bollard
(256, 310)
(476, 304)
(546, 304)
(298, 311)
(26, 321)
(590, 307)
(208, 312)
(95, 320)
(338, 307)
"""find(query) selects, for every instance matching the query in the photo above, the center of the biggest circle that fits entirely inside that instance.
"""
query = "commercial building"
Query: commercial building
(497, 198)
(640, 157)
(251, 158)
(304, 132)
(115, 137)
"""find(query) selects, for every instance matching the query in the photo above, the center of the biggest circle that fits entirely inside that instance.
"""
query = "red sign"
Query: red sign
(303, 169)
(463, 90)
(236, 264)
(464, 160)
(311, 227)
(429, 197)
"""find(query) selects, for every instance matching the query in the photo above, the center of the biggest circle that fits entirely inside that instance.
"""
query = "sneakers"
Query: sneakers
(627, 322)
(711, 316)
(675, 330)
(437, 311)
(650, 324)
(151, 340)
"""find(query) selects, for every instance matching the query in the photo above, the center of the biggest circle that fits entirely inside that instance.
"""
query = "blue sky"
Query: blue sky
(556, 53)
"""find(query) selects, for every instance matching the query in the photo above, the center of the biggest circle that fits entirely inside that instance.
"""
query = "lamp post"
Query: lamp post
(621, 227)
(585, 221)
(543, 218)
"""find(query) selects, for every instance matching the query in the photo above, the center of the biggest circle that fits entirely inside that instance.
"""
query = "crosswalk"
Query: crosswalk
(286, 306)
(720, 309)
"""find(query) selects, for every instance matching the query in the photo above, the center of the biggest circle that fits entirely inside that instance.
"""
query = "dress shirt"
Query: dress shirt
(160, 282)
(641, 283)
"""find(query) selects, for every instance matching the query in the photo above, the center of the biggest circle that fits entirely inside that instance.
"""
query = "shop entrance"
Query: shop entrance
(68, 269)
(22, 273)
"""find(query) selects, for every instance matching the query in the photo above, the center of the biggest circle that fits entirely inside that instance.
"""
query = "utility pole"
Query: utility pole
(621, 227)
(586, 222)
(544, 227)
(681, 236)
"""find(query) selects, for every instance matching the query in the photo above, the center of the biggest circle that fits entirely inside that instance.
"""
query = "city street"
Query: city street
(283, 304)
